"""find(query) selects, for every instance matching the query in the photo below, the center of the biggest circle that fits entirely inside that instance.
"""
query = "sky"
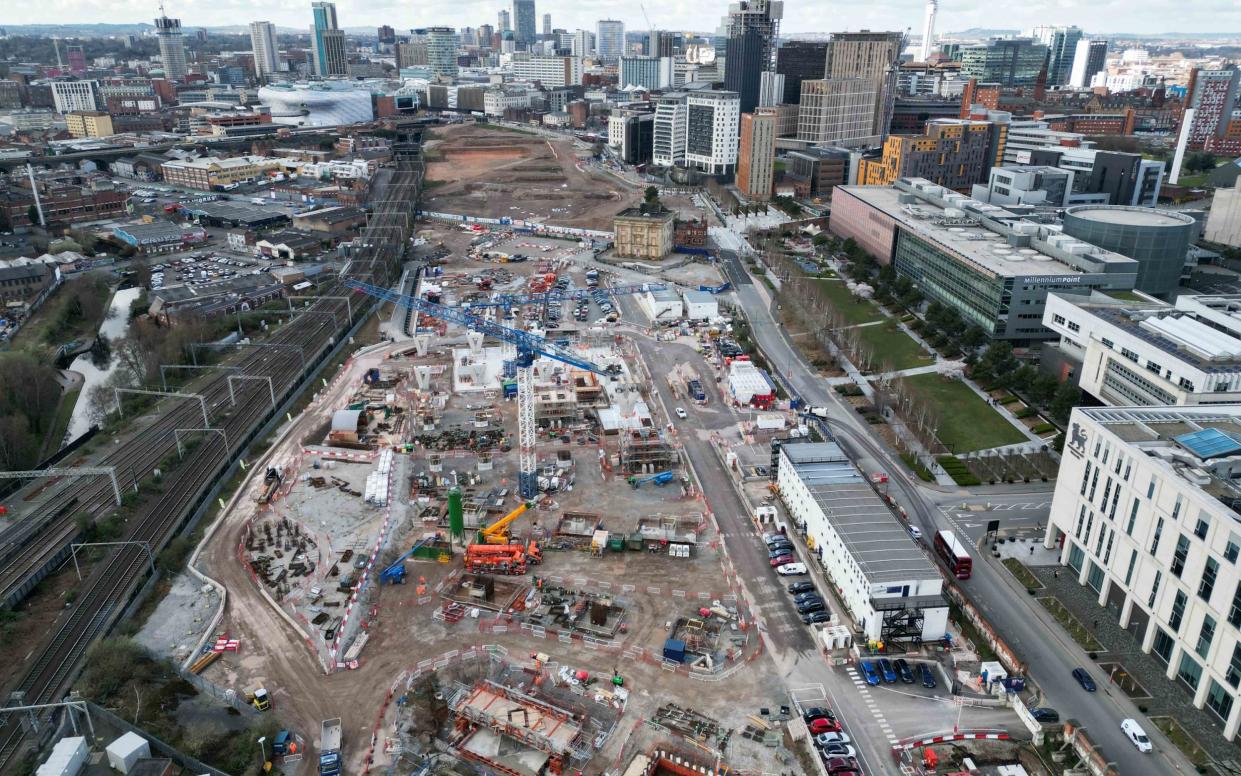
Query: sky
(1094, 16)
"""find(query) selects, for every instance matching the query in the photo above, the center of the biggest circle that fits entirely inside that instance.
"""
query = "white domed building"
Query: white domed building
(319, 104)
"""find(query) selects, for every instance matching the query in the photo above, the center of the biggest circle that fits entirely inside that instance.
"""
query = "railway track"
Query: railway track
(28, 548)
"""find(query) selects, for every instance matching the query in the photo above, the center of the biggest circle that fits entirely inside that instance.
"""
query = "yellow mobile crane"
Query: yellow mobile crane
(497, 532)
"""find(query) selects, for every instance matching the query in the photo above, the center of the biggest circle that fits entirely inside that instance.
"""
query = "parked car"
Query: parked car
(1084, 679)
(927, 676)
(772, 538)
(816, 712)
(1134, 732)
(823, 739)
(805, 586)
(817, 617)
(778, 550)
(842, 766)
(781, 560)
(870, 673)
(791, 569)
(889, 673)
(816, 605)
(839, 750)
(823, 725)
(810, 595)
(902, 670)
(1044, 714)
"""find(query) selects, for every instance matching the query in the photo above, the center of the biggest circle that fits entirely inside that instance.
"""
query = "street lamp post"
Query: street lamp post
(262, 751)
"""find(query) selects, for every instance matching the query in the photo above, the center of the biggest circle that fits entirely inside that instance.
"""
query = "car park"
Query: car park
(772, 538)
(870, 673)
(775, 551)
(1134, 732)
(1044, 714)
(842, 766)
(1083, 678)
(812, 595)
(902, 670)
(804, 586)
(927, 676)
(816, 617)
(791, 569)
(814, 605)
(889, 673)
(816, 712)
(839, 750)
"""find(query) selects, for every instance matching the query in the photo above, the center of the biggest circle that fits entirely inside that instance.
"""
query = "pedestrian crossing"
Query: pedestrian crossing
(872, 705)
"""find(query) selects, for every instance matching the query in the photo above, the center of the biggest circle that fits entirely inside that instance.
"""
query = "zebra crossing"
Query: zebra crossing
(872, 705)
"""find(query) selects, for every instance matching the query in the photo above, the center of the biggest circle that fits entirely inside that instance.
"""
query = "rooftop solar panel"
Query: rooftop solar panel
(1209, 443)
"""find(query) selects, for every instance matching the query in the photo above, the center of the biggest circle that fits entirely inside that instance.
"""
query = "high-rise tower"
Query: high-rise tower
(263, 44)
(171, 46)
(753, 26)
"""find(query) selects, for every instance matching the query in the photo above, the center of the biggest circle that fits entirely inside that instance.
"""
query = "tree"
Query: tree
(973, 337)
(32, 213)
(1067, 397)
(1043, 389)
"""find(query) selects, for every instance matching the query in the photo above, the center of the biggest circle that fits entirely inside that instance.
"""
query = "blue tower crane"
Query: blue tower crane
(529, 348)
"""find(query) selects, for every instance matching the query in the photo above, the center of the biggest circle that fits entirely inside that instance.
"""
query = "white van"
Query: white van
(1136, 734)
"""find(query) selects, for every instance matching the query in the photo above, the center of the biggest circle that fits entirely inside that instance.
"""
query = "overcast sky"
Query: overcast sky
(1095, 16)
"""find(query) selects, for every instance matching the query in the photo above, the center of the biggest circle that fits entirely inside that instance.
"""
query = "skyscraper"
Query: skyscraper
(752, 27)
(660, 43)
(1089, 58)
(797, 61)
(171, 46)
(327, 41)
(263, 44)
(1004, 61)
(928, 30)
(76, 57)
(505, 21)
(1061, 43)
(547, 24)
(1211, 94)
(523, 21)
(442, 44)
(386, 34)
(583, 43)
(756, 162)
(853, 102)
(610, 39)
(485, 31)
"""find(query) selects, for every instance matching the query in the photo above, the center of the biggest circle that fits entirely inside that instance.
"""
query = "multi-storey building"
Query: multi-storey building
(549, 71)
(1224, 220)
(753, 27)
(1089, 59)
(632, 134)
(1212, 94)
(1145, 516)
(711, 124)
(32, 119)
(801, 61)
(647, 72)
(1004, 61)
(499, 99)
(171, 48)
(953, 153)
(852, 103)
(524, 23)
(263, 44)
(814, 172)
(70, 96)
(327, 41)
(10, 94)
(504, 21)
(92, 123)
(610, 39)
(668, 143)
(993, 266)
(442, 45)
(756, 161)
(583, 44)
(1061, 43)
(642, 234)
(1137, 350)
(1028, 184)
(210, 172)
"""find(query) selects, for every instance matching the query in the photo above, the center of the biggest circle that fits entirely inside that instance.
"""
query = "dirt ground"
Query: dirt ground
(499, 173)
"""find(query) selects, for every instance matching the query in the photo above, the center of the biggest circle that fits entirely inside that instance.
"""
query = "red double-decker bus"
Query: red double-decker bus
(954, 554)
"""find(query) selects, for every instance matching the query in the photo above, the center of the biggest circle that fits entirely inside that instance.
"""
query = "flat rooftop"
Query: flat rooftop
(1130, 216)
(870, 531)
(1199, 445)
(963, 232)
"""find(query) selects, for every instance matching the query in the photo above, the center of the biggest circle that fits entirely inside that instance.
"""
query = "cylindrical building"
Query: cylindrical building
(1157, 239)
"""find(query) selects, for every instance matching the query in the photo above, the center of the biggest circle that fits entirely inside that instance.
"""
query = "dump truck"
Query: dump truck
(329, 748)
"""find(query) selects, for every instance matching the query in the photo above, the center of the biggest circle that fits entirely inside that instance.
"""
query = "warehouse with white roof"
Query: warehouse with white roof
(893, 591)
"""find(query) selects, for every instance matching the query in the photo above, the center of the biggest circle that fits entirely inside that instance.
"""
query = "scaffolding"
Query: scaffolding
(508, 712)
(644, 451)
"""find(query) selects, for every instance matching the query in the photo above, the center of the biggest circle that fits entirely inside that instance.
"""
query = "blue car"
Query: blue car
(889, 673)
(1084, 679)
(869, 673)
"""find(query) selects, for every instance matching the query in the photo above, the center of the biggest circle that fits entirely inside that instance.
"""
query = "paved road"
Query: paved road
(1049, 653)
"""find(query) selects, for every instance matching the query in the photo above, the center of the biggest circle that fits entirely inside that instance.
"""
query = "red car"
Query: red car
(781, 560)
(823, 725)
(842, 766)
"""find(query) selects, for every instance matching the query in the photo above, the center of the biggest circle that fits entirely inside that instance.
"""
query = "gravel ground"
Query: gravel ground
(180, 619)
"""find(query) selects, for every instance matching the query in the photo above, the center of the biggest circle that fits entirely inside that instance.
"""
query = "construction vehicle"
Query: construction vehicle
(271, 483)
(502, 558)
(283, 744)
(661, 479)
(258, 698)
(497, 532)
(395, 574)
(329, 748)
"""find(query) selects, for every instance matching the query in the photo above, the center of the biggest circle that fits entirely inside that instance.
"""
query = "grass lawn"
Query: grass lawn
(851, 308)
(966, 422)
(1182, 740)
(894, 349)
(42, 334)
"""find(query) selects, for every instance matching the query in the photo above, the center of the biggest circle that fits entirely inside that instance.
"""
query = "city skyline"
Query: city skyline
(1139, 18)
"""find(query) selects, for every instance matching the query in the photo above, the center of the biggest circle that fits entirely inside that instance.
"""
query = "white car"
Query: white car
(791, 569)
(681, 413)
(1136, 734)
(915, 532)
(823, 739)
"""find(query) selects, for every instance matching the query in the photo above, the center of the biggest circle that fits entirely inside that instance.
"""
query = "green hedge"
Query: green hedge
(1043, 428)
(957, 470)
(1007, 399)
(913, 463)
(1026, 412)
(849, 389)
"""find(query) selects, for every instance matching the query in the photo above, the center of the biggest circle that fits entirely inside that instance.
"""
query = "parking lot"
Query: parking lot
(201, 270)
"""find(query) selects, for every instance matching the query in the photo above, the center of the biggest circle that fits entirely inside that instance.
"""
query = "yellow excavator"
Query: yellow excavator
(497, 532)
